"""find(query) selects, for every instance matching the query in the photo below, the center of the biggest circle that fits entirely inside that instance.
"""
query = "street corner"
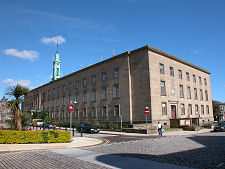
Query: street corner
(86, 142)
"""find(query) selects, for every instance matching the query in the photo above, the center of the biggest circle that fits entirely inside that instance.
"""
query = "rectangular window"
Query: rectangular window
(85, 97)
(104, 93)
(181, 91)
(116, 110)
(189, 109)
(205, 81)
(64, 100)
(195, 94)
(53, 91)
(164, 109)
(207, 109)
(171, 71)
(116, 73)
(57, 72)
(161, 67)
(93, 111)
(84, 112)
(104, 76)
(49, 92)
(93, 79)
(85, 82)
(194, 78)
(202, 109)
(94, 95)
(206, 96)
(180, 74)
(77, 98)
(163, 88)
(64, 88)
(104, 111)
(116, 91)
(58, 90)
(200, 80)
(77, 84)
(196, 109)
(182, 109)
(188, 92)
(187, 76)
(76, 111)
(201, 94)
(70, 86)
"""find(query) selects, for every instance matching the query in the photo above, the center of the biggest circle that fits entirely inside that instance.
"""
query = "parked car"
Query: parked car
(87, 128)
(37, 122)
(48, 125)
(220, 127)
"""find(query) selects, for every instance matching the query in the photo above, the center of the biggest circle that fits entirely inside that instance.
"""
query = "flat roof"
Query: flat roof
(147, 47)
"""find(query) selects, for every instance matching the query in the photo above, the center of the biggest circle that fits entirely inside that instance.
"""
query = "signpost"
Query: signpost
(146, 112)
(71, 110)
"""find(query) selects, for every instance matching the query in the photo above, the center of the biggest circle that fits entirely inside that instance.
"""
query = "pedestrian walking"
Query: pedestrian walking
(159, 128)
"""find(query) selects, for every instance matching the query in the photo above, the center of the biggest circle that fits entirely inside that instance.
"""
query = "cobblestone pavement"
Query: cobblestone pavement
(200, 151)
(43, 159)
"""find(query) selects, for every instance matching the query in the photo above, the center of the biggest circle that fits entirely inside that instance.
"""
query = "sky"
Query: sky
(193, 30)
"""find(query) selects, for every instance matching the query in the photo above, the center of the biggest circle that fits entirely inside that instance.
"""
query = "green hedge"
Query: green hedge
(25, 137)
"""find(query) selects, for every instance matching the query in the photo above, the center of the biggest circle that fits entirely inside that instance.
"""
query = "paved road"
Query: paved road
(200, 151)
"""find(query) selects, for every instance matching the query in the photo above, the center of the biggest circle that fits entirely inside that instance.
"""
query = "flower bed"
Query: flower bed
(31, 137)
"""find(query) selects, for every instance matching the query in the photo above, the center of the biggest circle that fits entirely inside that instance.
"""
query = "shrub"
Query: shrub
(207, 125)
(25, 137)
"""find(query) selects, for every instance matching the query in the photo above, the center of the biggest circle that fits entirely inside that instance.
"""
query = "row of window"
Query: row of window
(83, 112)
(93, 96)
(163, 92)
(104, 78)
(189, 109)
(180, 74)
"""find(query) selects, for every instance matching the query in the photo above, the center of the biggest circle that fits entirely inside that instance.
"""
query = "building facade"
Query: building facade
(222, 109)
(122, 86)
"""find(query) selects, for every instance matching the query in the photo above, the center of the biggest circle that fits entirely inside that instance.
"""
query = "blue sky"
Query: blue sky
(193, 30)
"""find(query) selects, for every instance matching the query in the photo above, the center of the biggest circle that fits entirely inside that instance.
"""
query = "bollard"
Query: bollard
(40, 127)
(66, 128)
(73, 131)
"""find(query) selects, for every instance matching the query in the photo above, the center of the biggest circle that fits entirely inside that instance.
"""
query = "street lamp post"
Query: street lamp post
(121, 122)
(197, 115)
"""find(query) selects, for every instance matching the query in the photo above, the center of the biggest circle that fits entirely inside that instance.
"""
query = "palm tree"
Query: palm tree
(16, 94)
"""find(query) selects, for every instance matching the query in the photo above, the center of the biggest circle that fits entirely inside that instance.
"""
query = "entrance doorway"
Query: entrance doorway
(173, 112)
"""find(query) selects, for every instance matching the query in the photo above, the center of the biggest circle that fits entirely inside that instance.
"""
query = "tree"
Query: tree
(16, 94)
(216, 111)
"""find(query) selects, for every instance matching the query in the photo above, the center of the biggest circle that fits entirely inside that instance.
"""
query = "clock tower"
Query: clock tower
(56, 66)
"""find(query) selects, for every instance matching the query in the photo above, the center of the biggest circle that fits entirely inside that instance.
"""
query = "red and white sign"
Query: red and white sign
(71, 107)
(146, 112)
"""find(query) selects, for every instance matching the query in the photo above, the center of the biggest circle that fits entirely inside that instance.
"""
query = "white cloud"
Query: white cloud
(30, 55)
(197, 51)
(53, 40)
(12, 82)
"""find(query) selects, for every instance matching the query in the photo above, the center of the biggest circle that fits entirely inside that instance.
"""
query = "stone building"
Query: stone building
(222, 109)
(122, 86)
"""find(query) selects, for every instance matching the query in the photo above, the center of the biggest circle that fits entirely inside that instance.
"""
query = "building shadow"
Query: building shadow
(212, 155)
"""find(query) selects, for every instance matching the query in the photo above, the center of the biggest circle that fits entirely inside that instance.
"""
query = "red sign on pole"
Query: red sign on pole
(71, 107)
(146, 112)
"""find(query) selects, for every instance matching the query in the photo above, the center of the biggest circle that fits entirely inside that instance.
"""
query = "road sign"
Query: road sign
(146, 112)
(71, 107)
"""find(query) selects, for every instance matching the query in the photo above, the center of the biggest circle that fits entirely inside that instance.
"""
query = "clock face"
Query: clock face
(172, 91)
(57, 66)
